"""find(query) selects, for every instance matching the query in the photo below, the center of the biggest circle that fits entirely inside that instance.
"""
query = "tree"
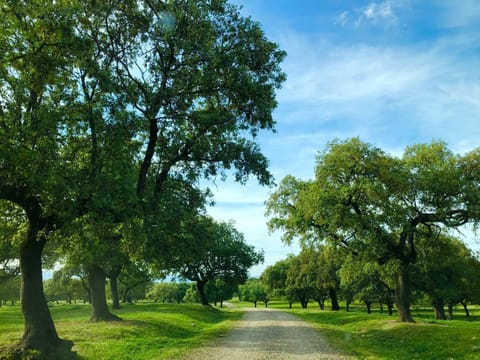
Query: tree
(163, 292)
(214, 250)
(254, 291)
(220, 290)
(275, 279)
(10, 290)
(446, 282)
(181, 88)
(38, 44)
(376, 204)
(300, 283)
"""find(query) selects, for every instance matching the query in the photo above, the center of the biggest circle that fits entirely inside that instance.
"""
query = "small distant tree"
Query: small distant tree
(214, 250)
(254, 291)
(163, 292)
(220, 290)
(300, 281)
(10, 290)
(275, 279)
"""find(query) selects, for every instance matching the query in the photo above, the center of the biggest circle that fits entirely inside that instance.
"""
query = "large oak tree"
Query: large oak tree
(95, 94)
(377, 204)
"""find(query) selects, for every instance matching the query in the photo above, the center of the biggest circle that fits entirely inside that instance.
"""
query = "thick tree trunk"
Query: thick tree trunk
(97, 282)
(321, 304)
(39, 332)
(333, 298)
(402, 296)
(439, 309)
(201, 292)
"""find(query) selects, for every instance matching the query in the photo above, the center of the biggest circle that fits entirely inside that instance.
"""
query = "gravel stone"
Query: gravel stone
(269, 334)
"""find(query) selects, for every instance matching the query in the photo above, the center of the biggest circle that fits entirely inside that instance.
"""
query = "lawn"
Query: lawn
(380, 336)
(149, 331)
(157, 331)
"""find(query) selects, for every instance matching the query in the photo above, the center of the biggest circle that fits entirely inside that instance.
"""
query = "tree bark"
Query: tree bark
(450, 312)
(438, 306)
(97, 282)
(402, 296)
(464, 304)
(114, 290)
(369, 306)
(201, 292)
(333, 298)
(39, 332)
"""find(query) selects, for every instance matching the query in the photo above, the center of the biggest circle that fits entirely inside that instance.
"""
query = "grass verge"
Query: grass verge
(380, 336)
(149, 331)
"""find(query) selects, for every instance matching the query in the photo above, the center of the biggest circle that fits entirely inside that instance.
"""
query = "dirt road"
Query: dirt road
(269, 334)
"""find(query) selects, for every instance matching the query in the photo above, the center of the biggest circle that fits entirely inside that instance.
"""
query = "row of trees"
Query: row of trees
(325, 273)
(111, 114)
(388, 221)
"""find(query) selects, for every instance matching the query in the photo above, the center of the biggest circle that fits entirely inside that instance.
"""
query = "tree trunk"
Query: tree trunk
(304, 302)
(114, 291)
(290, 304)
(464, 304)
(402, 296)
(333, 298)
(201, 292)
(438, 306)
(255, 303)
(321, 304)
(97, 281)
(39, 331)
(369, 306)
(450, 311)
(390, 308)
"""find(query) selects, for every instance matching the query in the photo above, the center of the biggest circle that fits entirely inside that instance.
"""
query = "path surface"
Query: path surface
(269, 334)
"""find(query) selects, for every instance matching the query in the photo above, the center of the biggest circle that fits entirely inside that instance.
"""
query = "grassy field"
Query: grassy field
(148, 332)
(380, 336)
(155, 331)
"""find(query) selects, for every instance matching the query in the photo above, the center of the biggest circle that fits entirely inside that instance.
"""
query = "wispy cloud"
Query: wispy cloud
(418, 89)
(382, 14)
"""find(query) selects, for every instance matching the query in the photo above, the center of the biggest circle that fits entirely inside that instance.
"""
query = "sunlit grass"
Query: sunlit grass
(380, 336)
(149, 331)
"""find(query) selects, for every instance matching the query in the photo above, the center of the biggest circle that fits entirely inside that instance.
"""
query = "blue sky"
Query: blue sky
(394, 73)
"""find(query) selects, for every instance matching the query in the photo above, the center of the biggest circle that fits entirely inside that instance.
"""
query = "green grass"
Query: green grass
(155, 331)
(149, 331)
(380, 336)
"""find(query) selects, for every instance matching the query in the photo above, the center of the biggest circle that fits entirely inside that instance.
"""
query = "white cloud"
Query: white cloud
(382, 92)
(377, 13)
(382, 14)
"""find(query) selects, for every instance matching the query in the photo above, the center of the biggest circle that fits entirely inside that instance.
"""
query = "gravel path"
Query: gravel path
(269, 334)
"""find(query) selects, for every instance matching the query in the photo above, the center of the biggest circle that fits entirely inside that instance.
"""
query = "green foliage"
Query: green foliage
(168, 292)
(214, 250)
(253, 291)
(379, 206)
